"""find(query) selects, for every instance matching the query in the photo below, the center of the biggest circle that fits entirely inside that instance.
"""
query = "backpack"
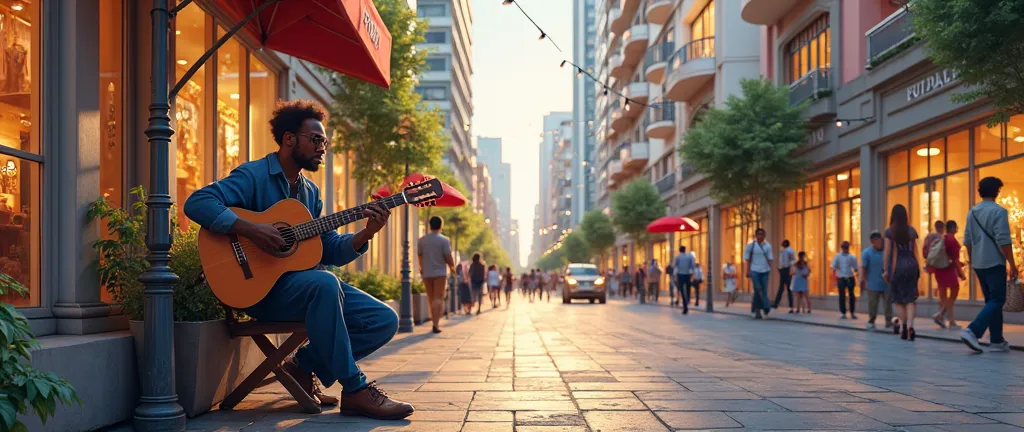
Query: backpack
(937, 257)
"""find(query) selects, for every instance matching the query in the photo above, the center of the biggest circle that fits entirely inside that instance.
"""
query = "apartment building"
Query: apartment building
(446, 81)
(549, 214)
(583, 109)
(490, 154)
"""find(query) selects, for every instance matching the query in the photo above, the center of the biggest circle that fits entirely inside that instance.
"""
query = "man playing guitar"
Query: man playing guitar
(344, 324)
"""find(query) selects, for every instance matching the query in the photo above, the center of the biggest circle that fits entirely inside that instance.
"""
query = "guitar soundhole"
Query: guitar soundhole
(289, 237)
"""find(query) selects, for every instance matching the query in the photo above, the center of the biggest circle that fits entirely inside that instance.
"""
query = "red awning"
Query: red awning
(347, 36)
(670, 224)
(451, 198)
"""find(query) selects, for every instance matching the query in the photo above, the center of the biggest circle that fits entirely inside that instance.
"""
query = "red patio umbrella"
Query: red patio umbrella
(347, 36)
(669, 224)
(451, 197)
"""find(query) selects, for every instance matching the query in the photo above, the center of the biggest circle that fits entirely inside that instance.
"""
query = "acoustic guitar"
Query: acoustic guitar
(241, 274)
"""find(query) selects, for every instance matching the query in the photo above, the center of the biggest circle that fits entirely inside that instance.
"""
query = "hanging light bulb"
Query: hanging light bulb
(507, 2)
(579, 71)
(563, 63)
(606, 90)
(839, 123)
(543, 35)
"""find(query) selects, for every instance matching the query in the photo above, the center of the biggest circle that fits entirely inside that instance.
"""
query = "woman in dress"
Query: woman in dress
(729, 276)
(799, 284)
(948, 279)
(465, 294)
(494, 285)
(902, 270)
(613, 282)
(698, 280)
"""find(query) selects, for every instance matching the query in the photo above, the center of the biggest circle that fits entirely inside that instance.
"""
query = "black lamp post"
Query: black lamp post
(405, 324)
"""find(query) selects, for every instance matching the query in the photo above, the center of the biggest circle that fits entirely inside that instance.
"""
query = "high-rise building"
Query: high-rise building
(554, 209)
(489, 154)
(513, 248)
(446, 80)
(554, 123)
(584, 92)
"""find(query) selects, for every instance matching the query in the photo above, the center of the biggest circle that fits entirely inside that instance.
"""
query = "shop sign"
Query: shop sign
(371, 28)
(931, 83)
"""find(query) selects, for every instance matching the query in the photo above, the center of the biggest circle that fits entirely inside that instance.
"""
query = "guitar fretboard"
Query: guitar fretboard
(337, 220)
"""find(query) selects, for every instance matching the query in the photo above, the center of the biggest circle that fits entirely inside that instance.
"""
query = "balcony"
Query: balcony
(657, 60)
(616, 171)
(658, 11)
(620, 19)
(634, 156)
(766, 12)
(634, 43)
(618, 69)
(690, 69)
(620, 123)
(662, 119)
(666, 183)
(633, 109)
(810, 86)
(637, 91)
(889, 37)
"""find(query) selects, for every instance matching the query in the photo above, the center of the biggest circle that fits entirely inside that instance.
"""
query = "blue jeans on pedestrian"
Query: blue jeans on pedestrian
(993, 287)
(683, 286)
(344, 324)
(760, 300)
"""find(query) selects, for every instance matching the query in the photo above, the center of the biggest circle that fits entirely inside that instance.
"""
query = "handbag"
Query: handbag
(1014, 296)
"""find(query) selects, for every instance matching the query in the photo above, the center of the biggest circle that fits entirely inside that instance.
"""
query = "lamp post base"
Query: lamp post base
(159, 415)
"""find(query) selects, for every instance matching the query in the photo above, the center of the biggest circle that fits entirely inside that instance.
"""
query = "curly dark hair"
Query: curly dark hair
(288, 116)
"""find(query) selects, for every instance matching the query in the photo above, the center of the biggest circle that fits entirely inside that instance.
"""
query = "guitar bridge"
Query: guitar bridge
(240, 257)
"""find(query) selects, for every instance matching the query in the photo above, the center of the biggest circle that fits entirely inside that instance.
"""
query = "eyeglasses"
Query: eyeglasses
(318, 141)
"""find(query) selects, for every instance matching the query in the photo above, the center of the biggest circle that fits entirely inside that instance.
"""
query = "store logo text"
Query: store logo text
(371, 28)
(931, 83)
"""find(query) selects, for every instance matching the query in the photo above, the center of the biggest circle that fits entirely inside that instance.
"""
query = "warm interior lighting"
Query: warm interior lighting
(17, 7)
(234, 96)
(842, 177)
(928, 152)
(183, 62)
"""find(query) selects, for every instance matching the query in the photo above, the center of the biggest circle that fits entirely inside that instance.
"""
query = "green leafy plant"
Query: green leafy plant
(381, 286)
(553, 260)
(576, 248)
(598, 231)
(634, 207)
(22, 386)
(122, 259)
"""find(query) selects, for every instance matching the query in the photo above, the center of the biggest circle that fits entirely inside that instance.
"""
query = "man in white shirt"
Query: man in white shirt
(757, 257)
(786, 259)
(844, 270)
(684, 264)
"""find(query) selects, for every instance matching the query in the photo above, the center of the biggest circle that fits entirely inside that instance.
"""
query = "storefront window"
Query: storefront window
(958, 151)
(987, 144)
(190, 41)
(1012, 198)
(340, 183)
(263, 97)
(19, 129)
(111, 25)
(230, 88)
(1015, 135)
(735, 236)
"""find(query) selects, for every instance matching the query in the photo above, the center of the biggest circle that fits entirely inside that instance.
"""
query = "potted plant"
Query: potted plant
(208, 362)
(21, 385)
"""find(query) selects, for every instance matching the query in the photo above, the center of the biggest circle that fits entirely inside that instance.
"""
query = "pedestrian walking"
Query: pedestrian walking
(640, 279)
(477, 279)
(494, 285)
(684, 264)
(990, 246)
(729, 276)
(801, 283)
(545, 280)
(465, 291)
(844, 271)
(697, 282)
(949, 271)
(552, 285)
(929, 241)
(509, 282)
(524, 284)
(625, 280)
(434, 252)
(671, 273)
(902, 269)
(613, 282)
(531, 287)
(654, 280)
(872, 262)
(786, 259)
(758, 258)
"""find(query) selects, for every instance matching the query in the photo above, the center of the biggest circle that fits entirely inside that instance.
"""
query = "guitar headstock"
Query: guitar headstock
(424, 193)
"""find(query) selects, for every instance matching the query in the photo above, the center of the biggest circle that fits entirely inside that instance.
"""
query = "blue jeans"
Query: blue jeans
(760, 300)
(993, 286)
(683, 286)
(344, 324)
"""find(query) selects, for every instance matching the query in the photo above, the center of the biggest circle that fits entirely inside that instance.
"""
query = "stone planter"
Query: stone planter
(420, 308)
(208, 362)
(394, 306)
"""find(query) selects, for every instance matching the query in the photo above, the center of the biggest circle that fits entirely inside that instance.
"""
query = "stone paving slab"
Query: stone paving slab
(625, 367)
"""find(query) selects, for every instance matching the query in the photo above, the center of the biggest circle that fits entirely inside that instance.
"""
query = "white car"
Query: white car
(584, 281)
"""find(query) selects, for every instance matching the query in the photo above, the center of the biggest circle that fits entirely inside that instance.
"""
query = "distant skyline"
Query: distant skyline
(516, 81)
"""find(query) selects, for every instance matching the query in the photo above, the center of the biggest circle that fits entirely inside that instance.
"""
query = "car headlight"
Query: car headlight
(571, 281)
(599, 281)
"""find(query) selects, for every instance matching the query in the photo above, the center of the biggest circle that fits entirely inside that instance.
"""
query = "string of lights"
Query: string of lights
(840, 122)
(543, 34)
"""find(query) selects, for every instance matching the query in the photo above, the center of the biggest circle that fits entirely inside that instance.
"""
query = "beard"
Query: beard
(308, 163)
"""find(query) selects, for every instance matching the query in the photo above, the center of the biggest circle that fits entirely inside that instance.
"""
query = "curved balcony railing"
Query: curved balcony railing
(888, 34)
(667, 182)
(698, 49)
(812, 85)
(661, 112)
(658, 53)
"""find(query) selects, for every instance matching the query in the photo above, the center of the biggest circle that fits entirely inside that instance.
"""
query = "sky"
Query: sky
(516, 81)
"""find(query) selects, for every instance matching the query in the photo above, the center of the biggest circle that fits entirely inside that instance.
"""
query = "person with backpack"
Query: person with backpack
(930, 240)
(990, 246)
(844, 271)
(944, 261)
(758, 260)
(477, 279)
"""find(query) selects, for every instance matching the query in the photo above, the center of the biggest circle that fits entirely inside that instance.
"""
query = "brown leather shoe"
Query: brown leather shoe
(308, 382)
(372, 402)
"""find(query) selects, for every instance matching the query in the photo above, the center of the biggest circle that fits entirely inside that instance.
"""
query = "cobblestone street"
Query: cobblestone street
(627, 367)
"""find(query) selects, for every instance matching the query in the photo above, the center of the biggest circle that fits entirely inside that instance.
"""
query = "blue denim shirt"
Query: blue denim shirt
(256, 186)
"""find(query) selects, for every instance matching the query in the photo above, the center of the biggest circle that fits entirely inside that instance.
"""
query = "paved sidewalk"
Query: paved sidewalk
(547, 367)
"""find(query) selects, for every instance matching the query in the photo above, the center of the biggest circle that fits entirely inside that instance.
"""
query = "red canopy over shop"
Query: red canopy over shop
(451, 198)
(347, 36)
(669, 224)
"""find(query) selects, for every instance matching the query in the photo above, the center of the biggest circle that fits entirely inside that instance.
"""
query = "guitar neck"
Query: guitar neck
(337, 220)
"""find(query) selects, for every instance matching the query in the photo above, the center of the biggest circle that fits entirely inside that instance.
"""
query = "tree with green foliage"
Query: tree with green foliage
(598, 231)
(22, 387)
(983, 41)
(553, 260)
(387, 128)
(746, 149)
(634, 207)
(577, 250)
